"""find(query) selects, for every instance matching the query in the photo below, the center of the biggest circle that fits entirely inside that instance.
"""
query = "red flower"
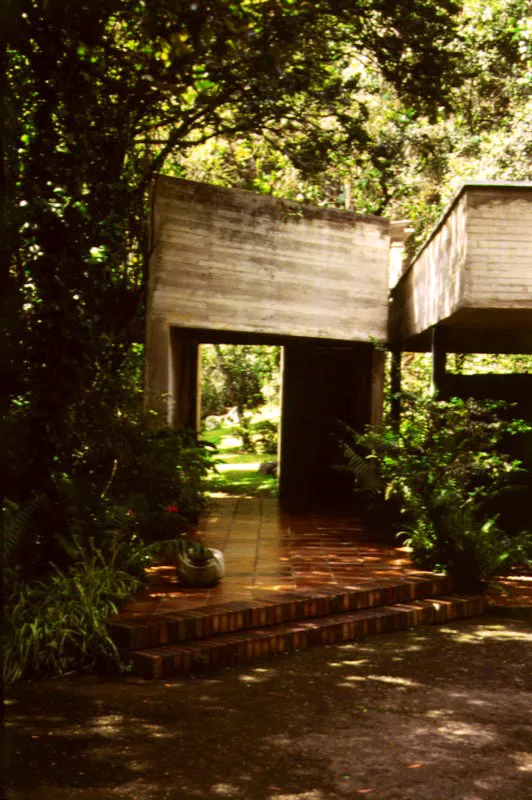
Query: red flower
(173, 509)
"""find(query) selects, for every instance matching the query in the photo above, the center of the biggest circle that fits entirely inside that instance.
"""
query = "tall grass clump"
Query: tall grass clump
(59, 623)
(75, 548)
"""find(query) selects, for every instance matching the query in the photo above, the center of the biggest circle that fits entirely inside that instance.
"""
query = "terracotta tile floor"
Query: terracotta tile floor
(266, 550)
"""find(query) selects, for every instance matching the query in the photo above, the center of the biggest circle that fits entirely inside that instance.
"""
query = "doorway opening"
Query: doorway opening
(240, 414)
(325, 384)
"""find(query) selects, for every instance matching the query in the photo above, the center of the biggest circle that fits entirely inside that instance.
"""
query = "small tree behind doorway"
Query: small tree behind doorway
(239, 379)
(242, 377)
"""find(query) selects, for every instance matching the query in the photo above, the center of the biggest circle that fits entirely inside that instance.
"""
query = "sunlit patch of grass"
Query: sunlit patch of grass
(245, 466)
(238, 480)
(237, 472)
(232, 460)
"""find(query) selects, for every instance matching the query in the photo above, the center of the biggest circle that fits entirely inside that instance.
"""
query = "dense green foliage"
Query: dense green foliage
(58, 623)
(236, 376)
(364, 103)
(444, 467)
(122, 474)
(412, 162)
(71, 557)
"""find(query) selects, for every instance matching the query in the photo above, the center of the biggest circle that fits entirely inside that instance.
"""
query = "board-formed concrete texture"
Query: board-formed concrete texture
(229, 265)
(473, 276)
(231, 260)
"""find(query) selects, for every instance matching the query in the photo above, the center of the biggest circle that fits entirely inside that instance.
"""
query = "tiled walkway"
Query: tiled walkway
(267, 551)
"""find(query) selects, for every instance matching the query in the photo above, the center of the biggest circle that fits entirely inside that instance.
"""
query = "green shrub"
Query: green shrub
(266, 436)
(443, 467)
(58, 623)
(165, 467)
(121, 473)
(75, 549)
(244, 431)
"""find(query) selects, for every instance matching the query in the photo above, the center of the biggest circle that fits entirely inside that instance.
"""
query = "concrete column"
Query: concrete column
(157, 367)
(377, 386)
(439, 361)
(395, 387)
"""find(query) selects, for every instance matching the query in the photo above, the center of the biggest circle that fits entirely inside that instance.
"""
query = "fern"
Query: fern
(445, 469)
(363, 469)
(16, 522)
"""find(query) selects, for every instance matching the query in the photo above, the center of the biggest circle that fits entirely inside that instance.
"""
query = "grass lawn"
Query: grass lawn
(237, 472)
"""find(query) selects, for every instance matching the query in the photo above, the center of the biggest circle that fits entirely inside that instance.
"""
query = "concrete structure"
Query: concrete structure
(473, 276)
(232, 260)
(469, 290)
(231, 266)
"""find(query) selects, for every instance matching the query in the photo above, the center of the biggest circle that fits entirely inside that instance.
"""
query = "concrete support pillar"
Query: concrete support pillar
(395, 386)
(439, 361)
(157, 366)
(172, 374)
(377, 386)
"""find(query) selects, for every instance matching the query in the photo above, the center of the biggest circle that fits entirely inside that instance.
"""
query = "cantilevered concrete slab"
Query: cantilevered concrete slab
(473, 276)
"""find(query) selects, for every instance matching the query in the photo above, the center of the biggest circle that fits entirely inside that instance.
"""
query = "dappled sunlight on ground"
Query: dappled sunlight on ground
(477, 734)
(313, 795)
(432, 714)
(513, 590)
(523, 761)
(488, 631)
(269, 551)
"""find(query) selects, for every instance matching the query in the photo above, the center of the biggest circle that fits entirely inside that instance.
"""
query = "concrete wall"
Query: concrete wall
(432, 288)
(235, 261)
(474, 275)
(499, 233)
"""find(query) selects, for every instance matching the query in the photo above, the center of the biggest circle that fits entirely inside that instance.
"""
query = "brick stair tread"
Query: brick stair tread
(271, 608)
(245, 647)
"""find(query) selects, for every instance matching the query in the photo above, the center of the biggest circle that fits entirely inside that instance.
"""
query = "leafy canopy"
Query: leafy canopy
(99, 95)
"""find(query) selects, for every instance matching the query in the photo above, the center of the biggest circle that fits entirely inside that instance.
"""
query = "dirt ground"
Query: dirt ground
(433, 714)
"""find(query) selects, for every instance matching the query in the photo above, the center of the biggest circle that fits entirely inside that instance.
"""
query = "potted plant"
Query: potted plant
(198, 565)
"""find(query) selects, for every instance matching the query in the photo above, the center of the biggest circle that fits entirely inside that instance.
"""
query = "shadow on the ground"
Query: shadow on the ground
(436, 713)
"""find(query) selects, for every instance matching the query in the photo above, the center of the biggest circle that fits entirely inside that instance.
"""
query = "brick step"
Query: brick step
(272, 608)
(248, 646)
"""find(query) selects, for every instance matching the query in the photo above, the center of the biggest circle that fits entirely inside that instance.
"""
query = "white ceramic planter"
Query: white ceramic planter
(203, 574)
